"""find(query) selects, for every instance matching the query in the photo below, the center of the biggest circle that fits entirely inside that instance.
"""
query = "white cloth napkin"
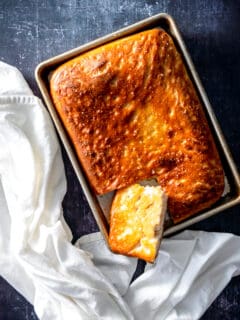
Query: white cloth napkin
(87, 281)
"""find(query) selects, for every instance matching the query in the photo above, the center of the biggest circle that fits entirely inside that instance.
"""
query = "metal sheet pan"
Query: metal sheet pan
(100, 204)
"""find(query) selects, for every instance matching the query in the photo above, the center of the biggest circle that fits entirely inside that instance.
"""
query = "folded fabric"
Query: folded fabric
(87, 281)
(192, 268)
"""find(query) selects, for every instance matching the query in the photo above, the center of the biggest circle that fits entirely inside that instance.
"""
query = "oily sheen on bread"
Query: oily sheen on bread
(136, 221)
(132, 112)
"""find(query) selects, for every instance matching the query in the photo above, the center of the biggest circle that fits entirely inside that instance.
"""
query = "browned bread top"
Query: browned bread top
(132, 113)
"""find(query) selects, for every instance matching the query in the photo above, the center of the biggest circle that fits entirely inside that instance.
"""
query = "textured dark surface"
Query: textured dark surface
(32, 31)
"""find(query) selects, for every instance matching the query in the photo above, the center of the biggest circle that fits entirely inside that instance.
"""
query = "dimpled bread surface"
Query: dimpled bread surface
(132, 113)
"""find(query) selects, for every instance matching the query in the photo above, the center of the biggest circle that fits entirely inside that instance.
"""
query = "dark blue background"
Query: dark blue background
(32, 31)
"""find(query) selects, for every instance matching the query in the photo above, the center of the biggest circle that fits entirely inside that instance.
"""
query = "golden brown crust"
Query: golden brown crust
(132, 112)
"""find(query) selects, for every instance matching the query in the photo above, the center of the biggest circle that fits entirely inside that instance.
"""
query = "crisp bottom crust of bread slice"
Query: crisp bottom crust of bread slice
(136, 221)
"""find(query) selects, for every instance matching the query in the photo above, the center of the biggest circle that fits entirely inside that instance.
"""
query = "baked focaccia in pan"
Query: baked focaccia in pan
(132, 113)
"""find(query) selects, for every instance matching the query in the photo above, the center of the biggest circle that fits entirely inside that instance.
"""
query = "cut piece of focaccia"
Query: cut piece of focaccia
(136, 221)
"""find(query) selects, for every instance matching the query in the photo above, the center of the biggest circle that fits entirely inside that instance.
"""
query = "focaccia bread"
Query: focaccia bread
(132, 113)
(136, 221)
